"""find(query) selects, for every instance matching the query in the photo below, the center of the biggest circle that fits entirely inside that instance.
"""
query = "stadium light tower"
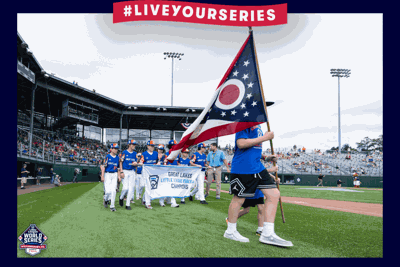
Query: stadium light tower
(340, 73)
(172, 55)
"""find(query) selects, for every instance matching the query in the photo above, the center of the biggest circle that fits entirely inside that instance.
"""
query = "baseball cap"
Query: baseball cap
(201, 145)
(150, 143)
(185, 151)
(161, 147)
(172, 142)
(133, 142)
(114, 145)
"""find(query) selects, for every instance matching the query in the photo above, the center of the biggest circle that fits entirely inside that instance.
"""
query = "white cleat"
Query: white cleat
(174, 205)
(275, 240)
(236, 236)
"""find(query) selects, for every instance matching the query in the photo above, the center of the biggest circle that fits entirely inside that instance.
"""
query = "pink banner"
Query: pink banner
(188, 12)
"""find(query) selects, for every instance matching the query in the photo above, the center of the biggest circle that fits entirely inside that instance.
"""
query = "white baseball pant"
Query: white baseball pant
(199, 189)
(137, 186)
(170, 200)
(128, 184)
(110, 185)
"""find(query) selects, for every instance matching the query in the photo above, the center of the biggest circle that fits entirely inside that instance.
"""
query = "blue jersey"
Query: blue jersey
(139, 169)
(199, 159)
(148, 158)
(111, 163)
(127, 159)
(163, 159)
(185, 162)
(257, 194)
(248, 160)
(175, 162)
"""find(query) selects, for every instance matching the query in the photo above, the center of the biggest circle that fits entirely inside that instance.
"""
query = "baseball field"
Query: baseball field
(77, 225)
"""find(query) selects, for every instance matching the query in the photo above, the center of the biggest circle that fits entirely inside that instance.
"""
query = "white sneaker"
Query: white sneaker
(236, 236)
(174, 205)
(149, 207)
(275, 240)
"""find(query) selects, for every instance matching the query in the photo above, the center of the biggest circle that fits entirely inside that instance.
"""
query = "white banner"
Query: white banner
(169, 181)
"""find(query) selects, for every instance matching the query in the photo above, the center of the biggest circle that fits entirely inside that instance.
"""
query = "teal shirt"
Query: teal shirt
(216, 159)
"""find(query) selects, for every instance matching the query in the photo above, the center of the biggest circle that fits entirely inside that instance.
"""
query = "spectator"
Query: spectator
(348, 156)
(24, 175)
(215, 159)
(303, 149)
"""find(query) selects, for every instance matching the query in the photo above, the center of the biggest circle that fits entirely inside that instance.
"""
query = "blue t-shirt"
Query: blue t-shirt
(257, 194)
(127, 159)
(111, 163)
(199, 159)
(148, 158)
(248, 160)
(24, 174)
(175, 162)
(184, 162)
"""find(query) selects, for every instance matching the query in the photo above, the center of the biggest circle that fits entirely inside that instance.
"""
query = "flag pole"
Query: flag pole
(266, 114)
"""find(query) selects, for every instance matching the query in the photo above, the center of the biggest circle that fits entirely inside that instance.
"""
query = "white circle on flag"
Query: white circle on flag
(231, 94)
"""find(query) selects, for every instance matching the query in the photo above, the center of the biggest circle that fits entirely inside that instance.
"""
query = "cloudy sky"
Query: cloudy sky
(125, 61)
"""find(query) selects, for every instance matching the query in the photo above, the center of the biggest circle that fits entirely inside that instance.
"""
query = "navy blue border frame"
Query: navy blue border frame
(101, 6)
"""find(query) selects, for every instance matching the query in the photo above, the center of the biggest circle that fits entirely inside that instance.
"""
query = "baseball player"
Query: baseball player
(76, 172)
(139, 183)
(38, 176)
(199, 159)
(184, 161)
(109, 175)
(161, 155)
(127, 164)
(148, 157)
(170, 200)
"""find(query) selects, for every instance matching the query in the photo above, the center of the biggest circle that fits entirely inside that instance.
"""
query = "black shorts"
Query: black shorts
(245, 185)
(253, 202)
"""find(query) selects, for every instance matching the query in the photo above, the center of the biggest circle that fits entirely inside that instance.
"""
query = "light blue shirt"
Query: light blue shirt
(216, 159)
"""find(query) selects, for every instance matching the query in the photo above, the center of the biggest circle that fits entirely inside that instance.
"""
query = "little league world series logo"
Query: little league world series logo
(153, 181)
(32, 240)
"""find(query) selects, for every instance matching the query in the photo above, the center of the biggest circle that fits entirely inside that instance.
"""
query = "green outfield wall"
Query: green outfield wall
(328, 180)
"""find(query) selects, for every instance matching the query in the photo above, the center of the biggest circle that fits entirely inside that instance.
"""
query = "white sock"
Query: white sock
(259, 229)
(231, 227)
(268, 229)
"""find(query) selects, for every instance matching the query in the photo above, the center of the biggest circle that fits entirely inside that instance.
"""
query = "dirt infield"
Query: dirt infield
(345, 206)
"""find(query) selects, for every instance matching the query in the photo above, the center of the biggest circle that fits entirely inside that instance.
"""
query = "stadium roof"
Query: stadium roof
(51, 91)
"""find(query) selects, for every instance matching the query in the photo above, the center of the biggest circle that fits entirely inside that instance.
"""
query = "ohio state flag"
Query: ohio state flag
(237, 104)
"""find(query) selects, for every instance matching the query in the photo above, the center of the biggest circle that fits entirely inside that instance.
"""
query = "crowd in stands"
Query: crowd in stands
(70, 148)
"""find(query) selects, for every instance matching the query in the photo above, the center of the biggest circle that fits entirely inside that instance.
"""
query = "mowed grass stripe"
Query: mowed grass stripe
(85, 228)
(37, 207)
(367, 196)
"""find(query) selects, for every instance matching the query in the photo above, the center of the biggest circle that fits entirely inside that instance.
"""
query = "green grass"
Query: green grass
(84, 228)
(37, 207)
(366, 196)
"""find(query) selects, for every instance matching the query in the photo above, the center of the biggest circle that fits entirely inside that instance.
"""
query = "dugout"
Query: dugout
(49, 104)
